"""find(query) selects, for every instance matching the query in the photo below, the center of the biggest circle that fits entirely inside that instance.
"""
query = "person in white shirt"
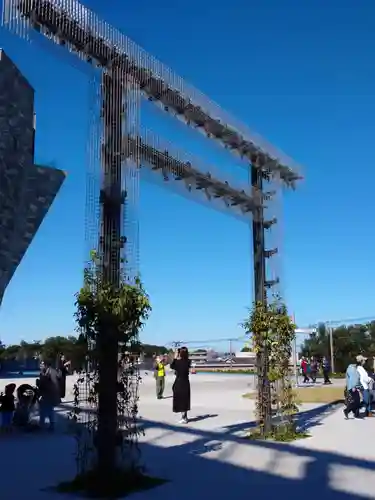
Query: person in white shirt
(366, 382)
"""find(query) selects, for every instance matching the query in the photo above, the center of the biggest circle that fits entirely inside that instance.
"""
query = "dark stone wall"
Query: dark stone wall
(26, 190)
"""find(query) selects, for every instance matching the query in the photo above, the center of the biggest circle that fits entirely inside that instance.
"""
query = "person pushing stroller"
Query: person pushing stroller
(16, 410)
(26, 401)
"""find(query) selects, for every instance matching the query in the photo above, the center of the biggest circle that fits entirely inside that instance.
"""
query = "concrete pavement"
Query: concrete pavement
(209, 456)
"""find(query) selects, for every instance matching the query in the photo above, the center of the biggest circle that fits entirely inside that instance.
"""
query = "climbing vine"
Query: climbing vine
(105, 407)
(272, 332)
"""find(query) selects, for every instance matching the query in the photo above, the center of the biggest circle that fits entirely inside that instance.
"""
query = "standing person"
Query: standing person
(63, 370)
(159, 374)
(181, 385)
(304, 368)
(7, 407)
(313, 369)
(326, 366)
(49, 393)
(352, 397)
(365, 381)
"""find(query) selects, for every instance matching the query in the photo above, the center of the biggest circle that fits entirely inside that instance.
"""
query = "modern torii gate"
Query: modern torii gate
(124, 66)
(124, 70)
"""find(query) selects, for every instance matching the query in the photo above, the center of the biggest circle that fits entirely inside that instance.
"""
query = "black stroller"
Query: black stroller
(26, 400)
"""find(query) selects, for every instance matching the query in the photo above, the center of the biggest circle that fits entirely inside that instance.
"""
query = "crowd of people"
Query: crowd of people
(181, 365)
(18, 403)
(310, 367)
(359, 388)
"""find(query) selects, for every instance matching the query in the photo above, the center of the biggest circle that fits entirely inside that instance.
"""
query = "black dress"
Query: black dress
(62, 380)
(181, 385)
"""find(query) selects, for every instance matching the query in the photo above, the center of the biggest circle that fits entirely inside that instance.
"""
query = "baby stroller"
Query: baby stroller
(26, 400)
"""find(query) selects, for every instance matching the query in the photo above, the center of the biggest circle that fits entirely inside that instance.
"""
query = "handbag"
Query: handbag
(349, 399)
(352, 397)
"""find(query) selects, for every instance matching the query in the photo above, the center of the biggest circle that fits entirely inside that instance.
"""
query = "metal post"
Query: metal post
(295, 360)
(294, 350)
(111, 193)
(258, 241)
(231, 354)
(330, 331)
(260, 293)
(109, 248)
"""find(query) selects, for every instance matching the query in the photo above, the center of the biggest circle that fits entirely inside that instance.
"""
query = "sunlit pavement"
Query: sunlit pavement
(210, 456)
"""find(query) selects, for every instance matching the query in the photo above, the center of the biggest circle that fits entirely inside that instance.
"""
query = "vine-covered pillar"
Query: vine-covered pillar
(110, 257)
(260, 292)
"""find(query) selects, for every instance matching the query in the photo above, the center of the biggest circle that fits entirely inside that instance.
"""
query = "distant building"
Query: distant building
(203, 356)
(245, 358)
(26, 190)
(246, 354)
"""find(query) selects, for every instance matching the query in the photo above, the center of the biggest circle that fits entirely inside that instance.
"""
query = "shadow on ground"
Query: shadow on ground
(305, 419)
(200, 418)
(216, 463)
(222, 464)
(319, 474)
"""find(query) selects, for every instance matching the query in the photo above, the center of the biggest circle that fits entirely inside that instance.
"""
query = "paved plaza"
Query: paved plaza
(210, 457)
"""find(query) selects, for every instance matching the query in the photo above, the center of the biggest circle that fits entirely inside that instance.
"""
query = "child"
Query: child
(7, 406)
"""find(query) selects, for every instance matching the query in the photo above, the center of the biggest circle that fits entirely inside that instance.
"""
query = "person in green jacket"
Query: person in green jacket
(159, 373)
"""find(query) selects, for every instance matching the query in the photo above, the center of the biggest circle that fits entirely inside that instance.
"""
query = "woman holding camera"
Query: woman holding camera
(181, 386)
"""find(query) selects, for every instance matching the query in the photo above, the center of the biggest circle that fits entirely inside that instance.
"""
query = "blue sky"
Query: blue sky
(299, 73)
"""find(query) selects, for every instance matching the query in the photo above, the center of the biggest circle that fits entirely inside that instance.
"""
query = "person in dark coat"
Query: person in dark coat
(304, 368)
(181, 385)
(326, 365)
(49, 394)
(63, 370)
(313, 369)
(7, 407)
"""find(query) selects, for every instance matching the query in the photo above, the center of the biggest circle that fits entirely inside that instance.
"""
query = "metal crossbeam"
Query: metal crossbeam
(70, 24)
(174, 169)
(67, 23)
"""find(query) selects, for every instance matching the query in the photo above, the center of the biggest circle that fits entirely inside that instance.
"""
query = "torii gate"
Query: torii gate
(126, 69)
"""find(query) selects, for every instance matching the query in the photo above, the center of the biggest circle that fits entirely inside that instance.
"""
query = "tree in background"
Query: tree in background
(27, 354)
(148, 350)
(2, 349)
(348, 342)
(246, 349)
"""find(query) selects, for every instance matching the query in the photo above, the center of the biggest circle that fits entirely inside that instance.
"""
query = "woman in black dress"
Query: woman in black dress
(181, 385)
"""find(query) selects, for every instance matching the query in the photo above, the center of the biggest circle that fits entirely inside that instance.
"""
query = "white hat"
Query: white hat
(360, 359)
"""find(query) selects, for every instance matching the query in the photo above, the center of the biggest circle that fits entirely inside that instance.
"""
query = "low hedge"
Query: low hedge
(253, 372)
(225, 370)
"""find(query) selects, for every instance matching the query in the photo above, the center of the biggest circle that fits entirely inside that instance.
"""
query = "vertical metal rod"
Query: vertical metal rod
(110, 241)
(110, 253)
(230, 354)
(330, 331)
(294, 347)
(260, 293)
(258, 241)
(295, 360)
